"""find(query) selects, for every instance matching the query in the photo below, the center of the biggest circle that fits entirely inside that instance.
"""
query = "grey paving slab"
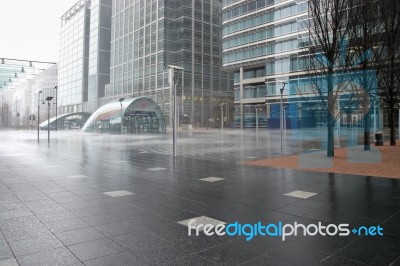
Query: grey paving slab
(9, 262)
(142, 229)
(59, 256)
(116, 228)
(22, 228)
(95, 249)
(123, 258)
(5, 252)
(33, 245)
(15, 213)
(65, 225)
(79, 236)
(2, 239)
(56, 216)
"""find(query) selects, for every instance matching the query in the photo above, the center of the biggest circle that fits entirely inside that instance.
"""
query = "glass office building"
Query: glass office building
(261, 46)
(84, 63)
(149, 35)
(266, 42)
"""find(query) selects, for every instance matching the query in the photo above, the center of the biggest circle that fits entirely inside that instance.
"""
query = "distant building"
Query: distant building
(23, 99)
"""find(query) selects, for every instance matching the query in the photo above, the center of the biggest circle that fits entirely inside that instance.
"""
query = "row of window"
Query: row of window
(254, 73)
(261, 35)
(261, 51)
(228, 2)
(286, 65)
(248, 7)
(296, 86)
(265, 18)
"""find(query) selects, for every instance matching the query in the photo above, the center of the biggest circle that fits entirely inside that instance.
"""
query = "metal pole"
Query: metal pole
(174, 117)
(173, 78)
(56, 88)
(122, 129)
(284, 119)
(281, 124)
(281, 115)
(256, 118)
(38, 121)
(222, 118)
(48, 121)
(163, 89)
(38, 116)
(182, 95)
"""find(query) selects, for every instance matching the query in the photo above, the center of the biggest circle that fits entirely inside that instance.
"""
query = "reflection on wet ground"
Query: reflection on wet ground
(91, 199)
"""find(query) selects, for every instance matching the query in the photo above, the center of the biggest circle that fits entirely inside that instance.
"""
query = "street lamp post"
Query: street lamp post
(56, 88)
(174, 128)
(38, 115)
(222, 115)
(120, 102)
(281, 124)
(284, 118)
(48, 99)
(256, 108)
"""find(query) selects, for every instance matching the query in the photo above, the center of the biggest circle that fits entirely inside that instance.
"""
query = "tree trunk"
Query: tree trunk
(330, 149)
(367, 126)
(392, 127)
(331, 121)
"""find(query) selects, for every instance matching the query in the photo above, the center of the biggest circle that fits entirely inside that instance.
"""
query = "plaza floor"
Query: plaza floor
(91, 199)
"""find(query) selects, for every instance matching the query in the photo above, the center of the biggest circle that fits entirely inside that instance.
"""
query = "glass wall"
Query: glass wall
(74, 45)
(139, 115)
(149, 35)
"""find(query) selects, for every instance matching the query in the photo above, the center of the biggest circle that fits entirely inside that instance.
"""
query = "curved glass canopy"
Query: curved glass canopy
(140, 115)
(66, 121)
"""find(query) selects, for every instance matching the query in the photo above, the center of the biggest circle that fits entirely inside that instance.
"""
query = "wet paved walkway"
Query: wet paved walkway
(90, 199)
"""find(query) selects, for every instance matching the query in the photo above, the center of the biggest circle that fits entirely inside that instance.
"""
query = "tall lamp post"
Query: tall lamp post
(256, 108)
(38, 115)
(120, 102)
(174, 78)
(222, 115)
(281, 124)
(48, 99)
(56, 89)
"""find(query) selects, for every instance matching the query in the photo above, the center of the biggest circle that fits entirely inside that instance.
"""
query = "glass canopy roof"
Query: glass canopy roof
(13, 72)
(139, 115)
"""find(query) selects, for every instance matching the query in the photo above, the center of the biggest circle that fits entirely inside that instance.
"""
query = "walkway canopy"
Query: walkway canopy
(66, 121)
(140, 115)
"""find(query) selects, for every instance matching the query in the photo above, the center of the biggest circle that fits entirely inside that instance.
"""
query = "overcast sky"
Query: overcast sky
(30, 29)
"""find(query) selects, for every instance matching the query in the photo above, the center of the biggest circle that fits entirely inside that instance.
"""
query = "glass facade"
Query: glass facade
(72, 78)
(149, 35)
(99, 51)
(262, 44)
(84, 68)
(266, 42)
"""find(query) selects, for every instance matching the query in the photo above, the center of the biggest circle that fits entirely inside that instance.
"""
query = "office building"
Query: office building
(84, 55)
(149, 35)
(261, 46)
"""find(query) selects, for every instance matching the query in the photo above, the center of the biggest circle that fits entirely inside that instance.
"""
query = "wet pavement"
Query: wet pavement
(91, 199)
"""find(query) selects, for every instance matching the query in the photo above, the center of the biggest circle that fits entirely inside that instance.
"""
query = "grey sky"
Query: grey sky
(30, 29)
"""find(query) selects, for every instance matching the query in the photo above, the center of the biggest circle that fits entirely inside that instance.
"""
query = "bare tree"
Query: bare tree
(387, 58)
(328, 30)
(363, 26)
